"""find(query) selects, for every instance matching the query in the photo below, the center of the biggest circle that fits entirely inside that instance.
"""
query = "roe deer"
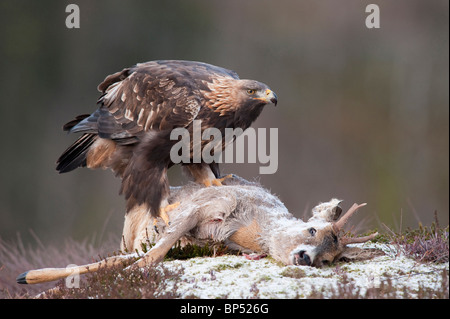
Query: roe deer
(244, 216)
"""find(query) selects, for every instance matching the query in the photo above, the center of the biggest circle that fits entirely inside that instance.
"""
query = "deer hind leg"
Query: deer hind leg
(137, 225)
(140, 227)
(137, 229)
(50, 274)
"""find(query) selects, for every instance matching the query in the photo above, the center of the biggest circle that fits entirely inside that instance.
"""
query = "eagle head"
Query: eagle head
(242, 100)
(252, 92)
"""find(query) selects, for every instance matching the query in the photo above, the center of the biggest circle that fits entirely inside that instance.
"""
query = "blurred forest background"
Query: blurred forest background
(363, 114)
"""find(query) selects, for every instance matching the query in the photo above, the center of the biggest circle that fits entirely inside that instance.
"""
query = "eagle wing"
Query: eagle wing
(152, 96)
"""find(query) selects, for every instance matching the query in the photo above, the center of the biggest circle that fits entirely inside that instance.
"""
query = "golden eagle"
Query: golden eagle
(140, 106)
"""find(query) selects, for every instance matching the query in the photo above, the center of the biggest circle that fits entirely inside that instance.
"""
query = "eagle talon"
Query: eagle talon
(217, 181)
(155, 227)
(163, 213)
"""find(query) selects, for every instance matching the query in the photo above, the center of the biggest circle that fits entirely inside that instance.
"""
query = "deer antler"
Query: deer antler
(357, 240)
(344, 219)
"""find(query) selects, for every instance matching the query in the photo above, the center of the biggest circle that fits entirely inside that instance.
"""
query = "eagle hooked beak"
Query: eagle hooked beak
(269, 97)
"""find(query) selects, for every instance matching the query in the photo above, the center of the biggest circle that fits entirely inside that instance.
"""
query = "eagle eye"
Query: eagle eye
(251, 91)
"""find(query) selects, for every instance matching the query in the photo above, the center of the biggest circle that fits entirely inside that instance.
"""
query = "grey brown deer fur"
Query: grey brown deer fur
(243, 216)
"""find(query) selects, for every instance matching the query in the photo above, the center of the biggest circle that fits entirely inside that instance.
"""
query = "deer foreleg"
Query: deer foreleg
(177, 229)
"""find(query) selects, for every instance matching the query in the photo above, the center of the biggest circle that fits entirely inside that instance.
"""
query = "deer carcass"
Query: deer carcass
(244, 216)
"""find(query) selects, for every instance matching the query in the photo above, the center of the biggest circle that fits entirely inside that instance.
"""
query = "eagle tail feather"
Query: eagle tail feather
(75, 155)
(69, 125)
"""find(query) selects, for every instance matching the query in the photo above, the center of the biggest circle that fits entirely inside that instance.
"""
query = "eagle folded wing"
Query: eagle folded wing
(143, 102)
(153, 96)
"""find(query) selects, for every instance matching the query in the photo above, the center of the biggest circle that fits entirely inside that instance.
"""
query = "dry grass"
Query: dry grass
(346, 289)
(423, 244)
(119, 283)
(16, 258)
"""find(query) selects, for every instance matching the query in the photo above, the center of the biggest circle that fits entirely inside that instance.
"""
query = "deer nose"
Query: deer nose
(302, 258)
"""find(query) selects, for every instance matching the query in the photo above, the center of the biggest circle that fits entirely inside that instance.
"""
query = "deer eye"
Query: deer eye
(312, 231)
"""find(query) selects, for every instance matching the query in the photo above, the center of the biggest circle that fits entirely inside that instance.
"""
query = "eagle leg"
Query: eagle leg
(164, 210)
(164, 216)
(218, 181)
(214, 181)
(205, 174)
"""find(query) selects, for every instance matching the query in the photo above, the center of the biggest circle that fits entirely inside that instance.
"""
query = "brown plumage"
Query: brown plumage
(140, 106)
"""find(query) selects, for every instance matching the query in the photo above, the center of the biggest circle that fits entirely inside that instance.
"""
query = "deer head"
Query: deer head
(322, 239)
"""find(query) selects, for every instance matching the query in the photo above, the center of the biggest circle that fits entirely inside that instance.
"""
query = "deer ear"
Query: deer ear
(358, 254)
(336, 212)
(328, 211)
